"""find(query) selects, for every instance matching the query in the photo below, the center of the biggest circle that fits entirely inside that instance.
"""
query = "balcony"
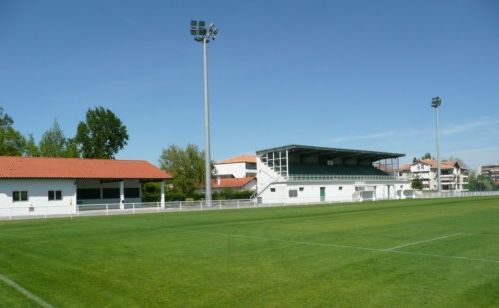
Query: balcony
(322, 178)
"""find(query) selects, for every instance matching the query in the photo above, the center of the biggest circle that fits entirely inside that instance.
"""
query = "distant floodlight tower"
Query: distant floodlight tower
(203, 35)
(435, 103)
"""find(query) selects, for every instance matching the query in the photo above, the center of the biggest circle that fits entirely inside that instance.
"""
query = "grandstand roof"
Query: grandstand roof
(332, 152)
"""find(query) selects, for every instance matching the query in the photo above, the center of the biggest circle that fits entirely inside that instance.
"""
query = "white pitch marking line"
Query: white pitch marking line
(424, 241)
(25, 292)
(347, 246)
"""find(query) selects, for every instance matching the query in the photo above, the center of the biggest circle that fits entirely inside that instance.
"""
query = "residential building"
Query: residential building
(241, 166)
(491, 170)
(238, 172)
(453, 176)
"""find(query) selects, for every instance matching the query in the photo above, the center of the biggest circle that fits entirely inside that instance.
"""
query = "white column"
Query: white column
(163, 194)
(122, 195)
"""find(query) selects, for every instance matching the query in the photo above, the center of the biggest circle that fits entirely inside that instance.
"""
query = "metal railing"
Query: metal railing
(341, 177)
(18, 212)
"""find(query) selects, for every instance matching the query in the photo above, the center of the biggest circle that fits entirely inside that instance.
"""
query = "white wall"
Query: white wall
(238, 170)
(333, 193)
(37, 196)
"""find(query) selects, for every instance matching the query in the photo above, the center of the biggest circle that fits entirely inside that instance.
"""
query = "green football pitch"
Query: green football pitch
(407, 253)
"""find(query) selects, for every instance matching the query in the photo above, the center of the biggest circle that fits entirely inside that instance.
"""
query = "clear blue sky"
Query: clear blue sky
(354, 74)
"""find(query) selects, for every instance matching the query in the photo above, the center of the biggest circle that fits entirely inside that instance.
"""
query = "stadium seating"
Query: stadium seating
(309, 169)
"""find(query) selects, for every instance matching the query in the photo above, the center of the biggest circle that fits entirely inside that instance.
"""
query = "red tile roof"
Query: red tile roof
(405, 167)
(78, 168)
(239, 159)
(443, 164)
(231, 182)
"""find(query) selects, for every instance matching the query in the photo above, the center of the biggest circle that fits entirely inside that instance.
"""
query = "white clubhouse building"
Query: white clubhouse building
(35, 185)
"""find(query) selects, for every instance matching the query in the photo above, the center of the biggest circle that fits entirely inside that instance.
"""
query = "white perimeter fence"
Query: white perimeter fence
(27, 212)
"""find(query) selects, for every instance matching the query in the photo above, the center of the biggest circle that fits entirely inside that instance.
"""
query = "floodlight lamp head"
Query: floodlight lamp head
(201, 33)
(436, 102)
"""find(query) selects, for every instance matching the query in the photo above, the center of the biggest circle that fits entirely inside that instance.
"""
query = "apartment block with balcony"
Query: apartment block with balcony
(491, 170)
(453, 176)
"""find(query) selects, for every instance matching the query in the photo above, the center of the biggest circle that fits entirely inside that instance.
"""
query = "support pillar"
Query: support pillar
(122, 195)
(163, 194)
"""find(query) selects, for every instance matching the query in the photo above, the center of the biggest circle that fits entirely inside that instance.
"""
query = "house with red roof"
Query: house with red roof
(31, 184)
(453, 176)
(241, 166)
(237, 172)
(246, 183)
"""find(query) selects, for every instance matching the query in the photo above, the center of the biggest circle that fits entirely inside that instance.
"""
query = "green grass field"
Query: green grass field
(388, 254)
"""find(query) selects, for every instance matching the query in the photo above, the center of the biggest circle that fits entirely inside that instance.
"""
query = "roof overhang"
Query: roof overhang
(332, 152)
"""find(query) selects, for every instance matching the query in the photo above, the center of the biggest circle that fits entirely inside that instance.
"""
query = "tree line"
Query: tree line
(100, 135)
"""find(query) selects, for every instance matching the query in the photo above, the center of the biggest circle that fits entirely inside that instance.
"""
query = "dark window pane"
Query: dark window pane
(88, 193)
(132, 193)
(58, 195)
(293, 193)
(24, 196)
(15, 196)
(111, 193)
(51, 195)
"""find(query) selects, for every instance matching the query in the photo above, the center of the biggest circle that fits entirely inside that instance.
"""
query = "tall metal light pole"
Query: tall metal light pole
(205, 35)
(435, 103)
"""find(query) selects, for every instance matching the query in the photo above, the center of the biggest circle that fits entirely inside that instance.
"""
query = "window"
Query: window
(55, 195)
(88, 193)
(301, 188)
(272, 190)
(111, 193)
(293, 193)
(251, 166)
(340, 188)
(19, 196)
(132, 193)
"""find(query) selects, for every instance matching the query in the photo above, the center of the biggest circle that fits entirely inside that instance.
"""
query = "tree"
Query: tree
(53, 142)
(71, 150)
(186, 166)
(426, 156)
(481, 182)
(12, 142)
(417, 184)
(414, 160)
(102, 134)
(31, 149)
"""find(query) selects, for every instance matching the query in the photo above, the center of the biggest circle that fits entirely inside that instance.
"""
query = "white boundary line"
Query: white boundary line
(425, 241)
(25, 292)
(346, 246)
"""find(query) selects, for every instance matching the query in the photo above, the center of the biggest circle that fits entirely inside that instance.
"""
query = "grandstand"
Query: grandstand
(298, 173)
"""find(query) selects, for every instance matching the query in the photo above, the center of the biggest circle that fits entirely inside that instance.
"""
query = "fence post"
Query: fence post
(201, 205)
(133, 207)
(220, 204)
(238, 203)
(46, 210)
(10, 213)
(181, 206)
(107, 209)
(77, 210)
